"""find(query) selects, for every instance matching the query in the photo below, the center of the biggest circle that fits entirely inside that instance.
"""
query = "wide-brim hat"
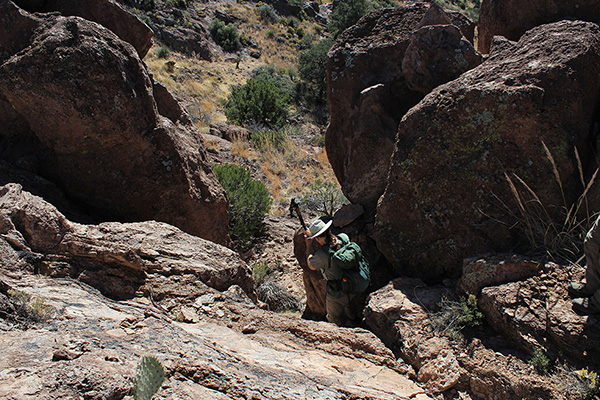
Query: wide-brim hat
(318, 227)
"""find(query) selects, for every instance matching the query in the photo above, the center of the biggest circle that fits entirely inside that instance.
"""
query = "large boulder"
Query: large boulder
(512, 18)
(368, 93)
(88, 99)
(115, 258)
(447, 195)
(105, 12)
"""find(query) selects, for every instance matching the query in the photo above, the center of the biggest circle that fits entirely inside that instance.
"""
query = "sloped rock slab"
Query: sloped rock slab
(202, 360)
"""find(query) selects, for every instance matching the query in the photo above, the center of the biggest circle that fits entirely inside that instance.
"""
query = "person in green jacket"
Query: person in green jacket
(339, 305)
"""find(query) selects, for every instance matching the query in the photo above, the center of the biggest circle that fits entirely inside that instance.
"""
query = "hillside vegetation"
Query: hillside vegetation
(294, 47)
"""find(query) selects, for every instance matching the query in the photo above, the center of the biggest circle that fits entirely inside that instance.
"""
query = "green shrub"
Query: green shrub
(226, 36)
(540, 361)
(267, 13)
(280, 78)
(324, 197)
(312, 65)
(453, 316)
(345, 14)
(258, 101)
(163, 52)
(249, 201)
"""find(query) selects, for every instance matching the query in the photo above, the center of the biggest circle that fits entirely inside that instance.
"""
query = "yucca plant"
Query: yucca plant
(560, 237)
(149, 379)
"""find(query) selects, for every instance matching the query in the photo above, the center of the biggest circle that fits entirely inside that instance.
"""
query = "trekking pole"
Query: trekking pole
(295, 208)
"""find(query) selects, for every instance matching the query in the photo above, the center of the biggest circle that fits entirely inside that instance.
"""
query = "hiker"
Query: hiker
(339, 306)
(586, 295)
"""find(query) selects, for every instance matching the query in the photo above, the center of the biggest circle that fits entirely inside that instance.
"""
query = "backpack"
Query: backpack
(356, 274)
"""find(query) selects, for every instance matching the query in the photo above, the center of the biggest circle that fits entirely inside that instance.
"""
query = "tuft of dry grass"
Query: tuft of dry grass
(558, 238)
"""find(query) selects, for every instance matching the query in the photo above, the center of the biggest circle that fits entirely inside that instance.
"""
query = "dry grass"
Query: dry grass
(558, 238)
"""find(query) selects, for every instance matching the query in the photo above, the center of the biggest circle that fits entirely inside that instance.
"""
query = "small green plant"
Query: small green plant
(226, 35)
(260, 271)
(453, 316)
(30, 308)
(324, 197)
(163, 52)
(540, 361)
(249, 201)
(471, 316)
(150, 377)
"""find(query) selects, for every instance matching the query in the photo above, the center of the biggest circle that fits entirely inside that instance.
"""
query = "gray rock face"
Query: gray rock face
(456, 148)
(108, 148)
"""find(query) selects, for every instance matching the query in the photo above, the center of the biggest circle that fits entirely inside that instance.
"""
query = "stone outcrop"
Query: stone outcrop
(536, 314)
(455, 149)
(87, 101)
(115, 258)
(512, 18)
(186, 300)
(481, 362)
(187, 41)
(368, 92)
(107, 13)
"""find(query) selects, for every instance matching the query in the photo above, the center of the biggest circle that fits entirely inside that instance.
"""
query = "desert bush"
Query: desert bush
(453, 316)
(29, 308)
(258, 101)
(277, 297)
(312, 65)
(249, 201)
(323, 197)
(345, 14)
(540, 361)
(267, 13)
(163, 52)
(582, 384)
(558, 236)
(226, 35)
(280, 78)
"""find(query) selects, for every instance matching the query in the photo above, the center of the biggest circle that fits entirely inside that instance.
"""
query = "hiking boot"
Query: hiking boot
(585, 306)
(579, 289)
